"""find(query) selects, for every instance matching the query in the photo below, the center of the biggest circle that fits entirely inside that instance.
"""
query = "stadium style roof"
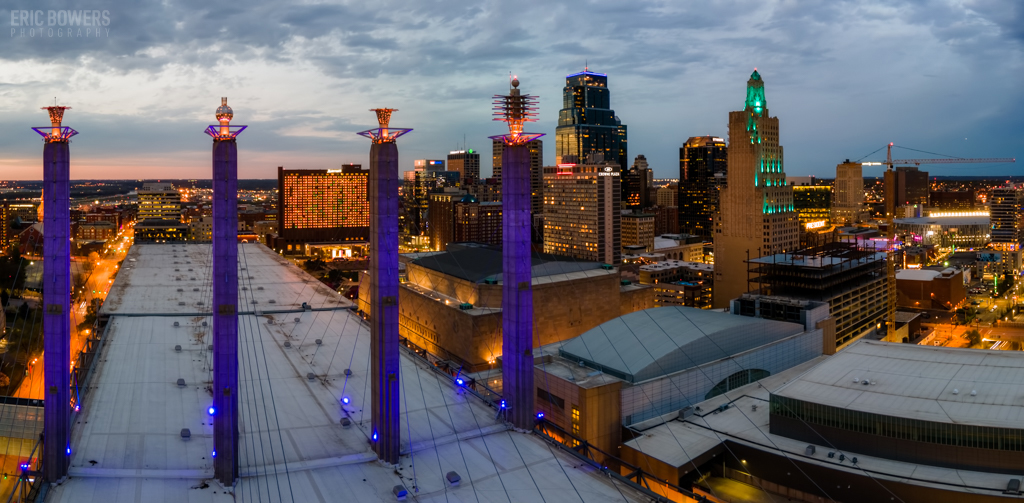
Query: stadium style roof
(655, 342)
(476, 262)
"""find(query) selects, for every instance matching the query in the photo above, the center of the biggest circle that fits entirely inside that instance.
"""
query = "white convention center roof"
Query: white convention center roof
(127, 443)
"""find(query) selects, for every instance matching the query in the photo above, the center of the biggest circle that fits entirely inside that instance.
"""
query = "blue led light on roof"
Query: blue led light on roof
(375, 436)
(540, 415)
(459, 381)
(213, 454)
(586, 73)
(344, 400)
(503, 404)
(212, 410)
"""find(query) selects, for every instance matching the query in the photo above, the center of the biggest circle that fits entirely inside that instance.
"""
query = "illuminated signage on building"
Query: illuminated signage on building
(816, 225)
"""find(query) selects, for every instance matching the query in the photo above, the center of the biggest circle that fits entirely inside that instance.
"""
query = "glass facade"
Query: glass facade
(813, 203)
(324, 205)
(586, 122)
(899, 428)
(702, 175)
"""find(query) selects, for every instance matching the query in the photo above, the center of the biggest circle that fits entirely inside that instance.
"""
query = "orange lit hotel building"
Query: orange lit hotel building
(321, 206)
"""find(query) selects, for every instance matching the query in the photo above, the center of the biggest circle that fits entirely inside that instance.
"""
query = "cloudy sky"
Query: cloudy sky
(844, 78)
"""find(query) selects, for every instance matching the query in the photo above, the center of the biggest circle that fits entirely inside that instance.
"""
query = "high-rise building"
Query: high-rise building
(159, 216)
(962, 200)
(667, 195)
(536, 176)
(905, 186)
(466, 162)
(581, 210)
(813, 204)
(586, 122)
(441, 227)
(159, 201)
(477, 222)
(666, 219)
(322, 206)
(702, 174)
(1005, 212)
(848, 196)
(635, 184)
(426, 177)
(757, 216)
(637, 229)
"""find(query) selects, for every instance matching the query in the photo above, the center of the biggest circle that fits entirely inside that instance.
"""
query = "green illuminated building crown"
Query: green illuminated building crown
(756, 106)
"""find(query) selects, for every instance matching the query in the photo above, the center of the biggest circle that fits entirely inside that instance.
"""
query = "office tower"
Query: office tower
(428, 165)
(586, 122)
(1005, 205)
(322, 206)
(757, 217)
(638, 230)
(466, 162)
(906, 186)
(848, 203)
(666, 219)
(385, 433)
(667, 196)
(702, 175)
(813, 204)
(225, 295)
(952, 201)
(5, 231)
(477, 222)
(159, 201)
(635, 184)
(518, 391)
(57, 278)
(582, 210)
(441, 224)
(417, 185)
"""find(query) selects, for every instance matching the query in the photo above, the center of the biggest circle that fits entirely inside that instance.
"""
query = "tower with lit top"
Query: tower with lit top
(756, 214)
(225, 295)
(516, 109)
(385, 431)
(56, 295)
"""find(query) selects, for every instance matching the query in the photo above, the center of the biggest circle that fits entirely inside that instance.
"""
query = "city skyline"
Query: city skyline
(849, 79)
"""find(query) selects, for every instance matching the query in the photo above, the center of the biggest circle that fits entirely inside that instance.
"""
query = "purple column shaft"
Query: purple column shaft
(384, 361)
(517, 289)
(225, 310)
(56, 305)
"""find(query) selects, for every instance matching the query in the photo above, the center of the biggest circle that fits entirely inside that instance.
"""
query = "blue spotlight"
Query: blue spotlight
(459, 381)
(213, 454)
(375, 436)
(68, 450)
(540, 415)
(503, 404)
(344, 400)
(212, 410)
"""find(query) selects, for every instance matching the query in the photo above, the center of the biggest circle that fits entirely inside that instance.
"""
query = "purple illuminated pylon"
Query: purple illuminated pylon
(56, 297)
(517, 288)
(225, 297)
(384, 361)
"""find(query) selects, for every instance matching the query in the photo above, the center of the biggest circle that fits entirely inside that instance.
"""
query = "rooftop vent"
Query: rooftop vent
(195, 289)
(1013, 487)
(453, 478)
(181, 383)
(270, 322)
(348, 372)
(245, 288)
(956, 391)
(287, 344)
(210, 347)
(319, 342)
(465, 306)
(809, 451)
(865, 382)
(176, 324)
(400, 492)
(199, 303)
(176, 269)
(259, 288)
(177, 348)
(974, 392)
(181, 303)
(254, 301)
(186, 434)
(272, 301)
(346, 422)
(296, 320)
(204, 323)
(310, 376)
(181, 289)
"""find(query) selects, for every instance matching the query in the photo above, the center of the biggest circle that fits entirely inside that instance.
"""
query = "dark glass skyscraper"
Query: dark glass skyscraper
(702, 169)
(586, 122)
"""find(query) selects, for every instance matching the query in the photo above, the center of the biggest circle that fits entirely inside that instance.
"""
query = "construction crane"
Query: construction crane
(890, 227)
